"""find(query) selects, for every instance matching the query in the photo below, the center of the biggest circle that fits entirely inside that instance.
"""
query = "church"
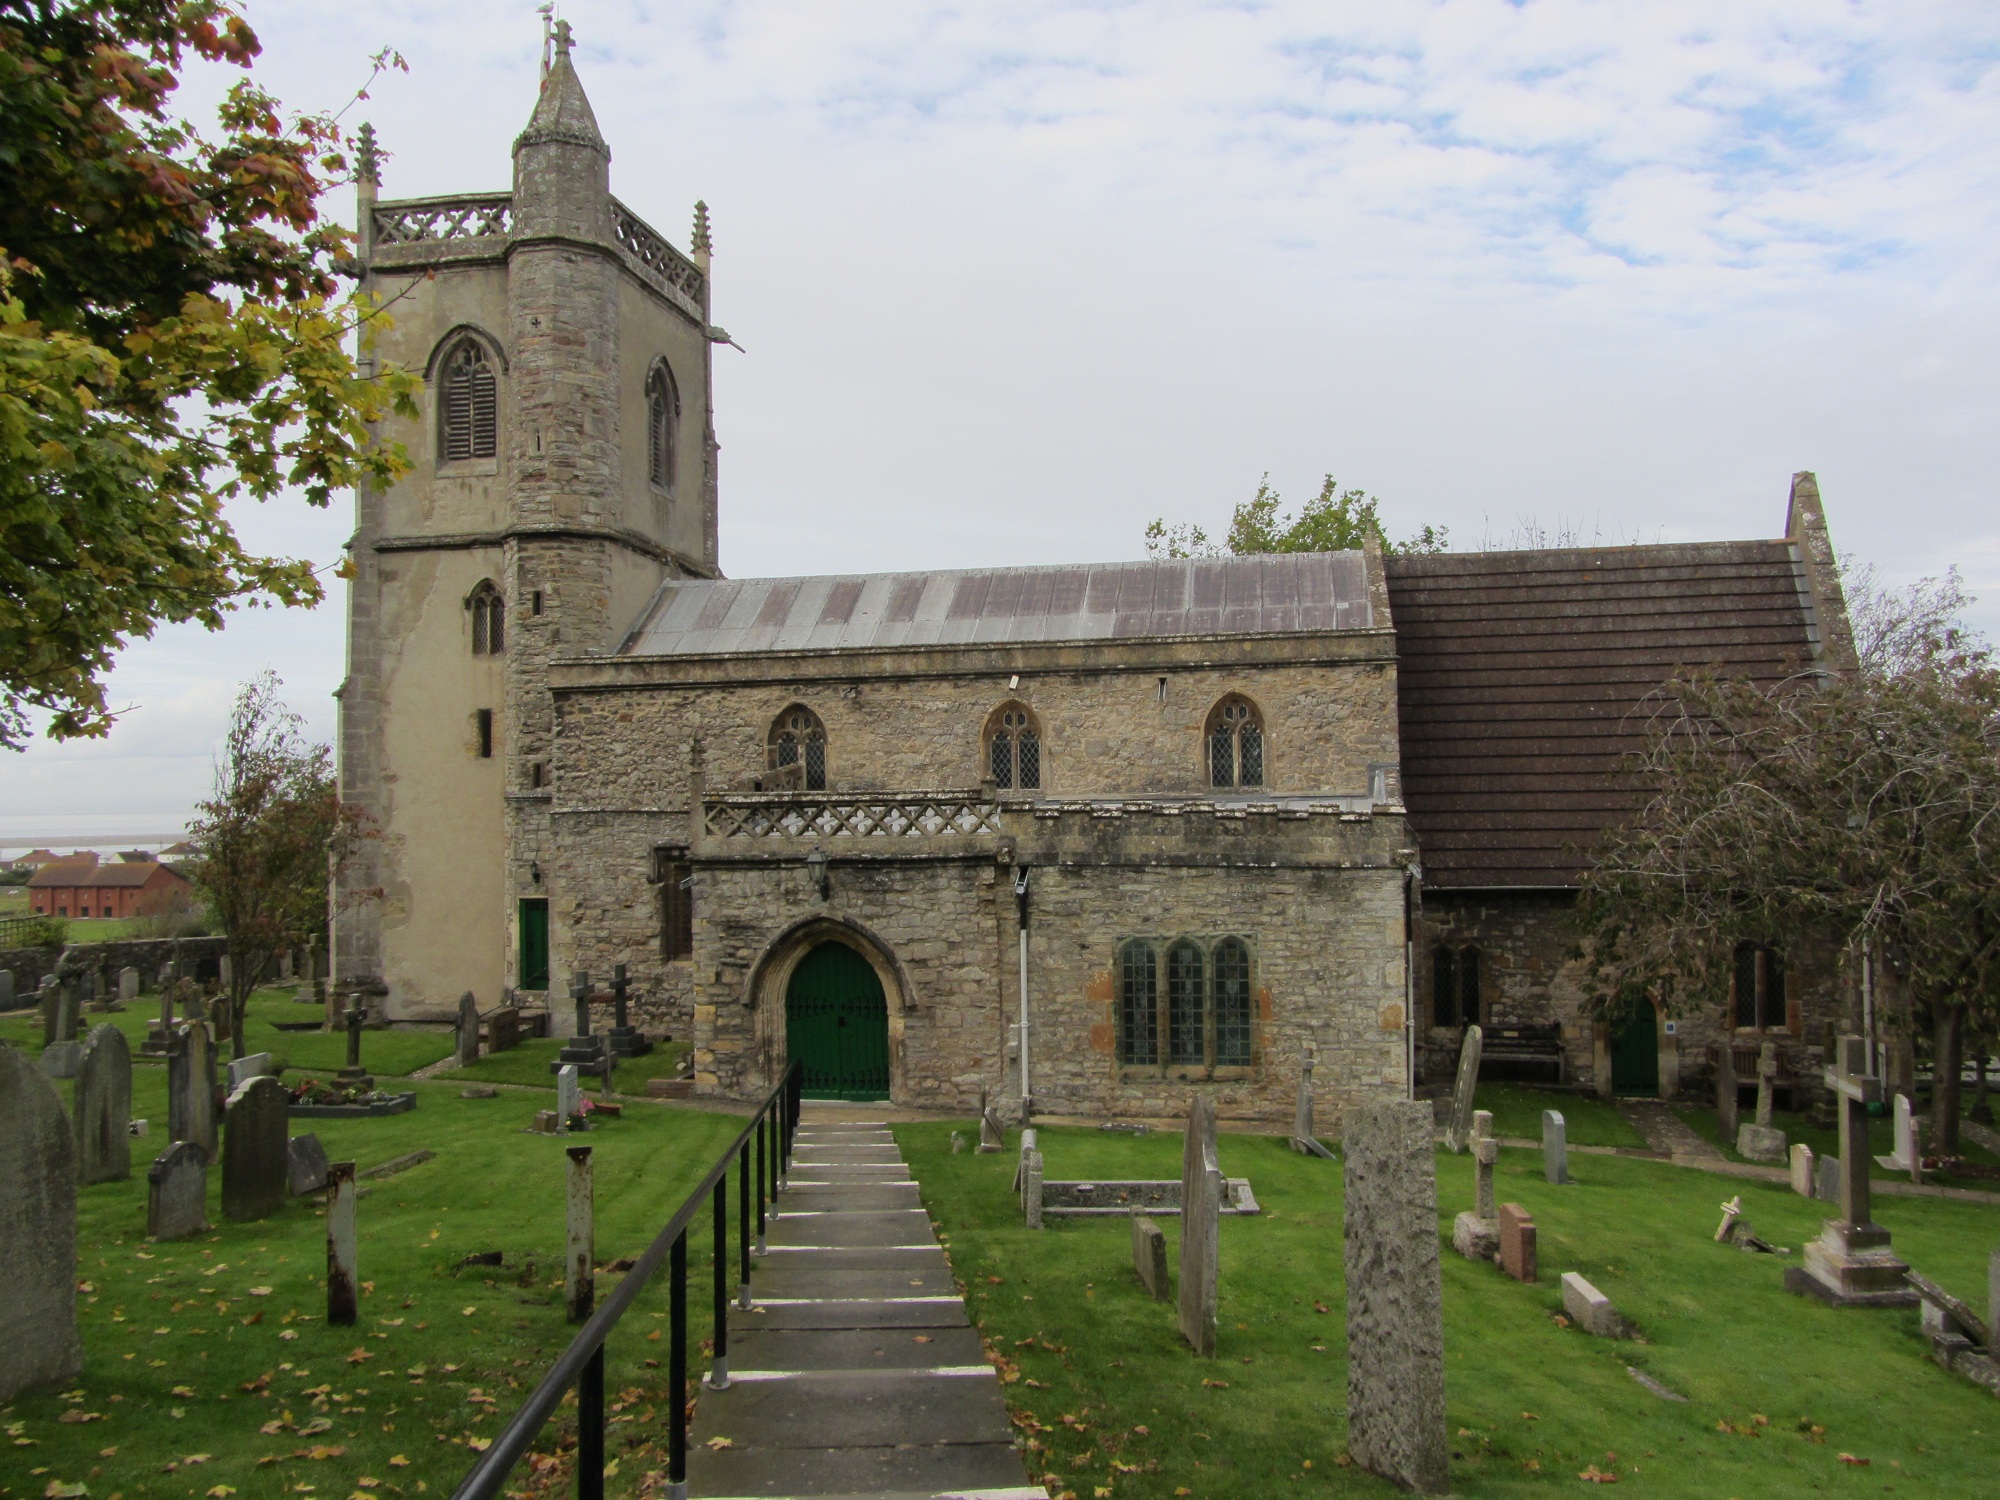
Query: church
(1087, 838)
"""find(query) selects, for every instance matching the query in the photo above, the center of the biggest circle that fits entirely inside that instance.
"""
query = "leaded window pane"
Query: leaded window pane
(1746, 984)
(479, 625)
(815, 764)
(1250, 756)
(787, 748)
(1001, 758)
(1444, 987)
(496, 625)
(1138, 1006)
(1031, 760)
(1232, 1004)
(1468, 986)
(1187, 995)
(1221, 758)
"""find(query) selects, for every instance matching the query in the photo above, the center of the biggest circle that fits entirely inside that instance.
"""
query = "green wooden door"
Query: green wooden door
(1635, 1054)
(837, 1024)
(534, 970)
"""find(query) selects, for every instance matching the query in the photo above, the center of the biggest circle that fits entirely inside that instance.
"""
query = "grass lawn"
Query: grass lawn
(389, 1053)
(529, 1063)
(1825, 1140)
(206, 1363)
(1779, 1387)
(1587, 1119)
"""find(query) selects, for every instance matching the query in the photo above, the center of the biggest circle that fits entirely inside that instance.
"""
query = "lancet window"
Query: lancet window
(1235, 741)
(1014, 749)
(469, 404)
(799, 739)
(1200, 1019)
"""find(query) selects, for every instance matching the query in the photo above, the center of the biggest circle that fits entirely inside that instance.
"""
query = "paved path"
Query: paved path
(856, 1372)
(1668, 1133)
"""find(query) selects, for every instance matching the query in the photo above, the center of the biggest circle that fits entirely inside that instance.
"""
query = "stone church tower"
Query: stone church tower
(564, 467)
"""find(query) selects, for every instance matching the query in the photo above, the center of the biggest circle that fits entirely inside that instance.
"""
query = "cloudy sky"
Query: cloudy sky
(1014, 279)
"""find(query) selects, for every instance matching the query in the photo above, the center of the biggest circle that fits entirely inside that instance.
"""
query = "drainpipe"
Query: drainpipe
(1021, 909)
(1410, 878)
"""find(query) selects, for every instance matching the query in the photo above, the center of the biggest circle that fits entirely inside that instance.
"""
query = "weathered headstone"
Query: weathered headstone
(354, 1076)
(159, 1032)
(1304, 1113)
(1763, 1141)
(1802, 1169)
(626, 1039)
(1555, 1146)
(177, 1192)
(285, 962)
(6, 989)
(545, 1122)
(242, 1069)
(1021, 1161)
(306, 1165)
(1590, 1310)
(128, 984)
(69, 1015)
(103, 1107)
(191, 1088)
(1826, 1179)
(1031, 1188)
(568, 1097)
(1851, 1264)
(468, 1030)
(343, 1288)
(1767, 1081)
(255, 1156)
(1201, 1207)
(1149, 1257)
(61, 1059)
(991, 1136)
(1906, 1138)
(1726, 1103)
(1458, 1130)
(504, 1030)
(39, 1344)
(1517, 1243)
(1474, 1235)
(1395, 1297)
(219, 1017)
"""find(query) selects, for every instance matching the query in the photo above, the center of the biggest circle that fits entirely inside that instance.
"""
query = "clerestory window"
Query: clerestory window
(1235, 741)
(1200, 1018)
(799, 739)
(469, 404)
(1014, 749)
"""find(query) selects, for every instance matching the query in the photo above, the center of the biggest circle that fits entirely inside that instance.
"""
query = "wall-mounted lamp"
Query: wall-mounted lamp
(816, 872)
(535, 871)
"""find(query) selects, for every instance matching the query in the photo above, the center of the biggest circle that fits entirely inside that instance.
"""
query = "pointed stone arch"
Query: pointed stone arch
(771, 976)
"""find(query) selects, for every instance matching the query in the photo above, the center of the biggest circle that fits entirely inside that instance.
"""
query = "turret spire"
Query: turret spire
(563, 115)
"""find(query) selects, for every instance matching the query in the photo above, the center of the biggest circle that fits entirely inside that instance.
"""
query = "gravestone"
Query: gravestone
(159, 1032)
(1201, 1208)
(1021, 1161)
(1726, 1103)
(581, 1051)
(219, 1018)
(255, 1156)
(1762, 1141)
(1906, 1139)
(343, 1300)
(1303, 1114)
(1851, 1264)
(1458, 1130)
(1590, 1310)
(50, 999)
(305, 1165)
(1555, 1146)
(354, 1076)
(1395, 1297)
(1149, 1257)
(1517, 1243)
(285, 963)
(992, 1137)
(1826, 1179)
(103, 1107)
(568, 1096)
(468, 1030)
(39, 1344)
(242, 1069)
(62, 1059)
(504, 1030)
(626, 1039)
(6, 989)
(177, 1192)
(1474, 1235)
(1802, 1169)
(228, 975)
(191, 1088)
(1031, 1188)
(128, 984)
(69, 1013)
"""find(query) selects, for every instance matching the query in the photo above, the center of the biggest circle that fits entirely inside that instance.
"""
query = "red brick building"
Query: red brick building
(74, 889)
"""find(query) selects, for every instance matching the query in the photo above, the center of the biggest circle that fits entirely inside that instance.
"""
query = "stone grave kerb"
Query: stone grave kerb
(1458, 1131)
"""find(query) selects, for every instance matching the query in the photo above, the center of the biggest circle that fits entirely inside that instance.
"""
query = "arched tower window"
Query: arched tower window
(1235, 742)
(489, 619)
(469, 404)
(1014, 748)
(799, 739)
(663, 417)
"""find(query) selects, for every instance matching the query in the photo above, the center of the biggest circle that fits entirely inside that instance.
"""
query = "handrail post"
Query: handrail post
(763, 1184)
(590, 1428)
(718, 1373)
(743, 1225)
(677, 1369)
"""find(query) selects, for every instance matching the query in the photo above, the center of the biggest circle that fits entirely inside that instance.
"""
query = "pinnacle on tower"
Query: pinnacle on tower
(699, 244)
(367, 156)
(563, 115)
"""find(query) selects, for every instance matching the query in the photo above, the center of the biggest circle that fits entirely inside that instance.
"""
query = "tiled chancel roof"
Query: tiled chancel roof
(1111, 601)
(1522, 676)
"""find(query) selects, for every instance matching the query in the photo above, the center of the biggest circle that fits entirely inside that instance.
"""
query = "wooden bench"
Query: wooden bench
(1537, 1049)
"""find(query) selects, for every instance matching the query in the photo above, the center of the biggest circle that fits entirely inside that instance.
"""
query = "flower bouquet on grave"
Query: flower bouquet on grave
(580, 1119)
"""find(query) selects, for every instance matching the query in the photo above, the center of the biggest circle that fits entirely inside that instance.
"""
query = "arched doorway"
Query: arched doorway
(837, 1024)
(1635, 1053)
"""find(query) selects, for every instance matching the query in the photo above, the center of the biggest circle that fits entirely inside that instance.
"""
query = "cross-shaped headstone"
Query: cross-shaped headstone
(579, 991)
(1767, 1080)
(355, 1016)
(1856, 1089)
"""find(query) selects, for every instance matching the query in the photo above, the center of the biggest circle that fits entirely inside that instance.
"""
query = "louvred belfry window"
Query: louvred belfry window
(663, 410)
(469, 414)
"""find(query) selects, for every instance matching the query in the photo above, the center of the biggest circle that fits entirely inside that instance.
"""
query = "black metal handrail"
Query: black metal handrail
(582, 1364)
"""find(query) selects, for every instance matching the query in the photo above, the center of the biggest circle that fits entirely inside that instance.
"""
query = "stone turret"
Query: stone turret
(562, 167)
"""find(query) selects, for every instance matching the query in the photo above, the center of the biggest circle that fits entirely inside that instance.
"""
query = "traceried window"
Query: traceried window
(1455, 997)
(1200, 1019)
(798, 739)
(1235, 743)
(1760, 988)
(469, 404)
(1014, 749)
(663, 416)
(489, 619)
